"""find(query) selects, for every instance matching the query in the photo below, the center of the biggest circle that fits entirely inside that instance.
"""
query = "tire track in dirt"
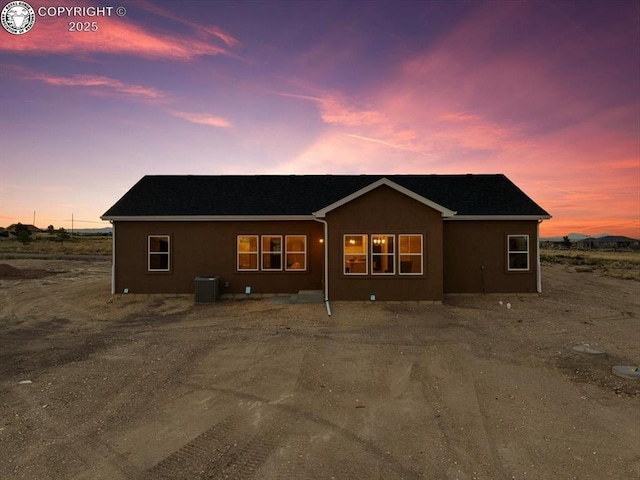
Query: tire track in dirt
(447, 388)
(290, 413)
(134, 398)
(199, 455)
(245, 463)
(229, 449)
(52, 431)
(19, 355)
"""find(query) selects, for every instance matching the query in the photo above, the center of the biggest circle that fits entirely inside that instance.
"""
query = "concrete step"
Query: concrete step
(303, 296)
(308, 296)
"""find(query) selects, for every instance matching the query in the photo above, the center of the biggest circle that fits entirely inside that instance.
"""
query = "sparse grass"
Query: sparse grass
(622, 264)
(45, 244)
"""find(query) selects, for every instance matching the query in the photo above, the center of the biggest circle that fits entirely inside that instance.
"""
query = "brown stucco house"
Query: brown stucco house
(398, 237)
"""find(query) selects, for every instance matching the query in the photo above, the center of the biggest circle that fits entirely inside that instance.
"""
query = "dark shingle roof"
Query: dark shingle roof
(183, 195)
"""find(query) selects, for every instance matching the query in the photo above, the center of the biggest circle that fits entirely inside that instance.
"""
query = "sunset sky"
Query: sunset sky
(547, 93)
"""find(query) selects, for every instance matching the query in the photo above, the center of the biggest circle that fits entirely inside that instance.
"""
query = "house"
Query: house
(15, 226)
(612, 242)
(398, 237)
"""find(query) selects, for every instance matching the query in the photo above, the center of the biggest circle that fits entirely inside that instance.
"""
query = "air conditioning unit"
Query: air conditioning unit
(207, 289)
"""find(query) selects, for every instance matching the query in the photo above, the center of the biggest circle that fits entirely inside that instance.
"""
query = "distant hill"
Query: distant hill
(574, 237)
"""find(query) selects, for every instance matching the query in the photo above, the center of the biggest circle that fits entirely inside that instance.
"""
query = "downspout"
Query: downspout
(113, 257)
(538, 272)
(326, 263)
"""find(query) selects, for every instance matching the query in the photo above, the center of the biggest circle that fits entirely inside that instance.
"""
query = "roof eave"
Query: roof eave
(204, 218)
(500, 217)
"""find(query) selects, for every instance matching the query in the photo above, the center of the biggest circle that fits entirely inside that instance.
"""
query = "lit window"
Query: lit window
(410, 247)
(272, 252)
(355, 254)
(158, 253)
(296, 252)
(518, 252)
(248, 252)
(383, 257)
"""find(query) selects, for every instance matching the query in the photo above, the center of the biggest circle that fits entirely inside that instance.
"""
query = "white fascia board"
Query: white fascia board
(208, 218)
(384, 181)
(500, 217)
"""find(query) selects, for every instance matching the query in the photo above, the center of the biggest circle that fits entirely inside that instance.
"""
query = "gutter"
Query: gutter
(538, 272)
(113, 257)
(326, 263)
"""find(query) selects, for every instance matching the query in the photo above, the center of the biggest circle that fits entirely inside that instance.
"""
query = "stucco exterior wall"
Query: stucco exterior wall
(471, 245)
(209, 249)
(386, 211)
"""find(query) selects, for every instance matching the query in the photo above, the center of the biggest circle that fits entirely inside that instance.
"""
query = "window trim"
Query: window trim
(365, 243)
(527, 252)
(295, 252)
(374, 254)
(270, 252)
(150, 253)
(256, 253)
(420, 254)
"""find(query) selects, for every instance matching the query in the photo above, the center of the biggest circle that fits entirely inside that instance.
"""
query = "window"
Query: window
(158, 253)
(518, 252)
(296, 252)
(383, 257)
(248, 252)
(355, 254)
(386, 255)
(410, 247)
(268, 254)
(271, 252)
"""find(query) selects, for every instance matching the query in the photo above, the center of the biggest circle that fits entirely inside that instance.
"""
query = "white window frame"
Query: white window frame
(509, 252)
(256, 253)
(365, 243)
(413, 254)
(150, 253)
(264, 252)
(380, 255)
(295, 252)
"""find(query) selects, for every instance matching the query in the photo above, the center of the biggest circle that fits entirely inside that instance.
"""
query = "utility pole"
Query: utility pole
(72, 224)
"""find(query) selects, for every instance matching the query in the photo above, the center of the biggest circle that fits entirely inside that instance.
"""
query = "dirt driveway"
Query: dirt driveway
(151, 387)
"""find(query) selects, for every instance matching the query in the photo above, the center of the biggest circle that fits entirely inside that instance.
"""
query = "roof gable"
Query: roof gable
(384, 181)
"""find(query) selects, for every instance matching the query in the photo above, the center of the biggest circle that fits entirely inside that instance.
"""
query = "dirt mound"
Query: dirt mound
(8, 271)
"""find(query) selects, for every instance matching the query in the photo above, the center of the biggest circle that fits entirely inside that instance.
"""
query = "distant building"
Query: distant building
(608, 242)
(31, 228)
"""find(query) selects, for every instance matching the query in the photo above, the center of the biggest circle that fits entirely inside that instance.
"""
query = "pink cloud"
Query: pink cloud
(467, 105)
(387, 144)
(100, 84)
(334, 109)
(203, 119)
(214, 31)
(115, 35)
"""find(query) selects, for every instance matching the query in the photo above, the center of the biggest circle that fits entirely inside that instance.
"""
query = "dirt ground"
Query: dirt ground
(94, 386)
